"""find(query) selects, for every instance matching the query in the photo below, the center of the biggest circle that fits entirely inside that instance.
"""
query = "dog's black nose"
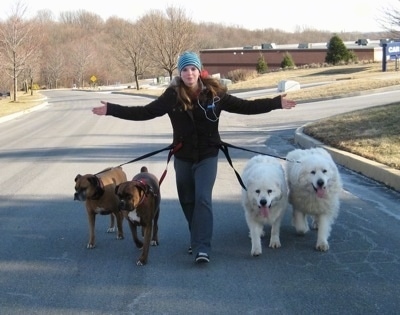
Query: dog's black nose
(121, 205)
(263, 202)
(320, 182)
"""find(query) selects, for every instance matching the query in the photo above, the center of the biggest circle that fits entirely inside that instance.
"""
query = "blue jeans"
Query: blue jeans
(195, 182)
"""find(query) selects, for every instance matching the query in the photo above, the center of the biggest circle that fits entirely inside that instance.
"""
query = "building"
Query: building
(224, 60)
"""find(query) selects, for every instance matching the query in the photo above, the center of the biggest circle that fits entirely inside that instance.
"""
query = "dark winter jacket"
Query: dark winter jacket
(196, 129)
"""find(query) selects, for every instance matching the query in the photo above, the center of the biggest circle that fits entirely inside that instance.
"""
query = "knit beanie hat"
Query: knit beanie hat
(188, 58)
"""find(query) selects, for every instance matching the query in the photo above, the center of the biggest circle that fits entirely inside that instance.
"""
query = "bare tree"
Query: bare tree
(56, 50)
(389, 19)
(44, 16)
(168, 36)
(87, 21)
(52, 70)
(80, 58)
(150, 47)
(18, 42)
(129, 46)
(30, 72)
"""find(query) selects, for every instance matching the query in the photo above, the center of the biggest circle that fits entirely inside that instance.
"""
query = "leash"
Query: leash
(225, 144)
(170, 154)
(224, 148)
(170, 147)
(172, 150)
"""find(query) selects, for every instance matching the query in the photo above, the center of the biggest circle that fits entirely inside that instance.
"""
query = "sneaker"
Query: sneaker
(202, 258)
(190, 251)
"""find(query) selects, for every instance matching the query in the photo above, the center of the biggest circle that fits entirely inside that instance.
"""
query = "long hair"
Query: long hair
(211, 86)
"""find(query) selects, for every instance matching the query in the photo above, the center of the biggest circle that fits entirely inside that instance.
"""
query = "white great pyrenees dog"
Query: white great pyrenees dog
(314, 188)
(265, 199)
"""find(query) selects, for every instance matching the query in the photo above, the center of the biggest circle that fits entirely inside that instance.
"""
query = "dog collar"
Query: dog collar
(141, 184)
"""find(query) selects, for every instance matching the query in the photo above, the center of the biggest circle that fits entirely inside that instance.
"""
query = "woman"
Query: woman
(194, 104)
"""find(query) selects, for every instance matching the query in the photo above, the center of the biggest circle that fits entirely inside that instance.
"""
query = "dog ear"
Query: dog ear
(116, 189)
(93, 180)
(77, 177)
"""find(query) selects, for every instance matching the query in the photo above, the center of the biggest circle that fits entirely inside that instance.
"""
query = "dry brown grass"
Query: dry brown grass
(24, 102)
(371, 133)
(342, 80)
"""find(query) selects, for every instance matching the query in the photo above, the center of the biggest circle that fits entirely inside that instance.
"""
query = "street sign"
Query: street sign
(393, 50)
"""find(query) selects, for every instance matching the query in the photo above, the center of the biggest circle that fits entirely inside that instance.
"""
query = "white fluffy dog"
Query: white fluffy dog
(314, 189)
(265, 201)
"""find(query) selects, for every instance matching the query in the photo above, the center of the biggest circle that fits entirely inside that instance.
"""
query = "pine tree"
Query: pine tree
(262, 66)
(337, 51)
(287, 61)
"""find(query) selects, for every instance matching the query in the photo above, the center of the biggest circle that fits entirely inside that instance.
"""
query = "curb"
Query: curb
(371, 169)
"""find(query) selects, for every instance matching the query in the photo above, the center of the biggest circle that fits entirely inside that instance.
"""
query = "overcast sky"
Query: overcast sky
(334, 16)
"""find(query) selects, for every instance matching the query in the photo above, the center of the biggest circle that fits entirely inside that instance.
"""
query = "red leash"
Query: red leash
(172, 151)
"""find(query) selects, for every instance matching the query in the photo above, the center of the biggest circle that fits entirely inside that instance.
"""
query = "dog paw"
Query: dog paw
(322, 246)
(90, 246)
(120, 237)
(140, 263)
(256, 252)
(154, 243)
(111, 230)
(275, 244)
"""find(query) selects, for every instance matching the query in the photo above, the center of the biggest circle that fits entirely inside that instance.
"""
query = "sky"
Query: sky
(334, 16)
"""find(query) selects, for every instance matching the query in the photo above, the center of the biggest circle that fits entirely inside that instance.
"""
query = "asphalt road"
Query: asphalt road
(45, 267)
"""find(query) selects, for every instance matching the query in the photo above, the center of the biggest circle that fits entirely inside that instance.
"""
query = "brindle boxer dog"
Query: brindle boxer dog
(98, 193)
(140, 203)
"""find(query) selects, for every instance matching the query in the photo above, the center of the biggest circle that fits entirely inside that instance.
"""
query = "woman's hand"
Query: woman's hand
(101, 110)
(286, 103)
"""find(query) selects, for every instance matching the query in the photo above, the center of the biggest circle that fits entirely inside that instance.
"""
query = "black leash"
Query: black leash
(170, 147)
(174, 148)
(225, 144)
(224, 148)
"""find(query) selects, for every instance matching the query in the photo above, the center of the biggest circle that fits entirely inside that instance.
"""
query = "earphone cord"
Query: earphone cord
(210, 107)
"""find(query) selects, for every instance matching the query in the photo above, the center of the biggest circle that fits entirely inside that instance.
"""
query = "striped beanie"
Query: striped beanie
(188, 58)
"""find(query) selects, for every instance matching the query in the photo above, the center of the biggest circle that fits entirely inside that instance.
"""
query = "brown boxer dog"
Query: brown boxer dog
(140, 204)
(98, 193)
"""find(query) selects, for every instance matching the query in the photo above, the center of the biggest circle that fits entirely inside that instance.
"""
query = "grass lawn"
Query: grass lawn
(373, 133)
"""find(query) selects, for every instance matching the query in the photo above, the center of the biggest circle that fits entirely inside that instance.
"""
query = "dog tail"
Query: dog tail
(144, 169)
